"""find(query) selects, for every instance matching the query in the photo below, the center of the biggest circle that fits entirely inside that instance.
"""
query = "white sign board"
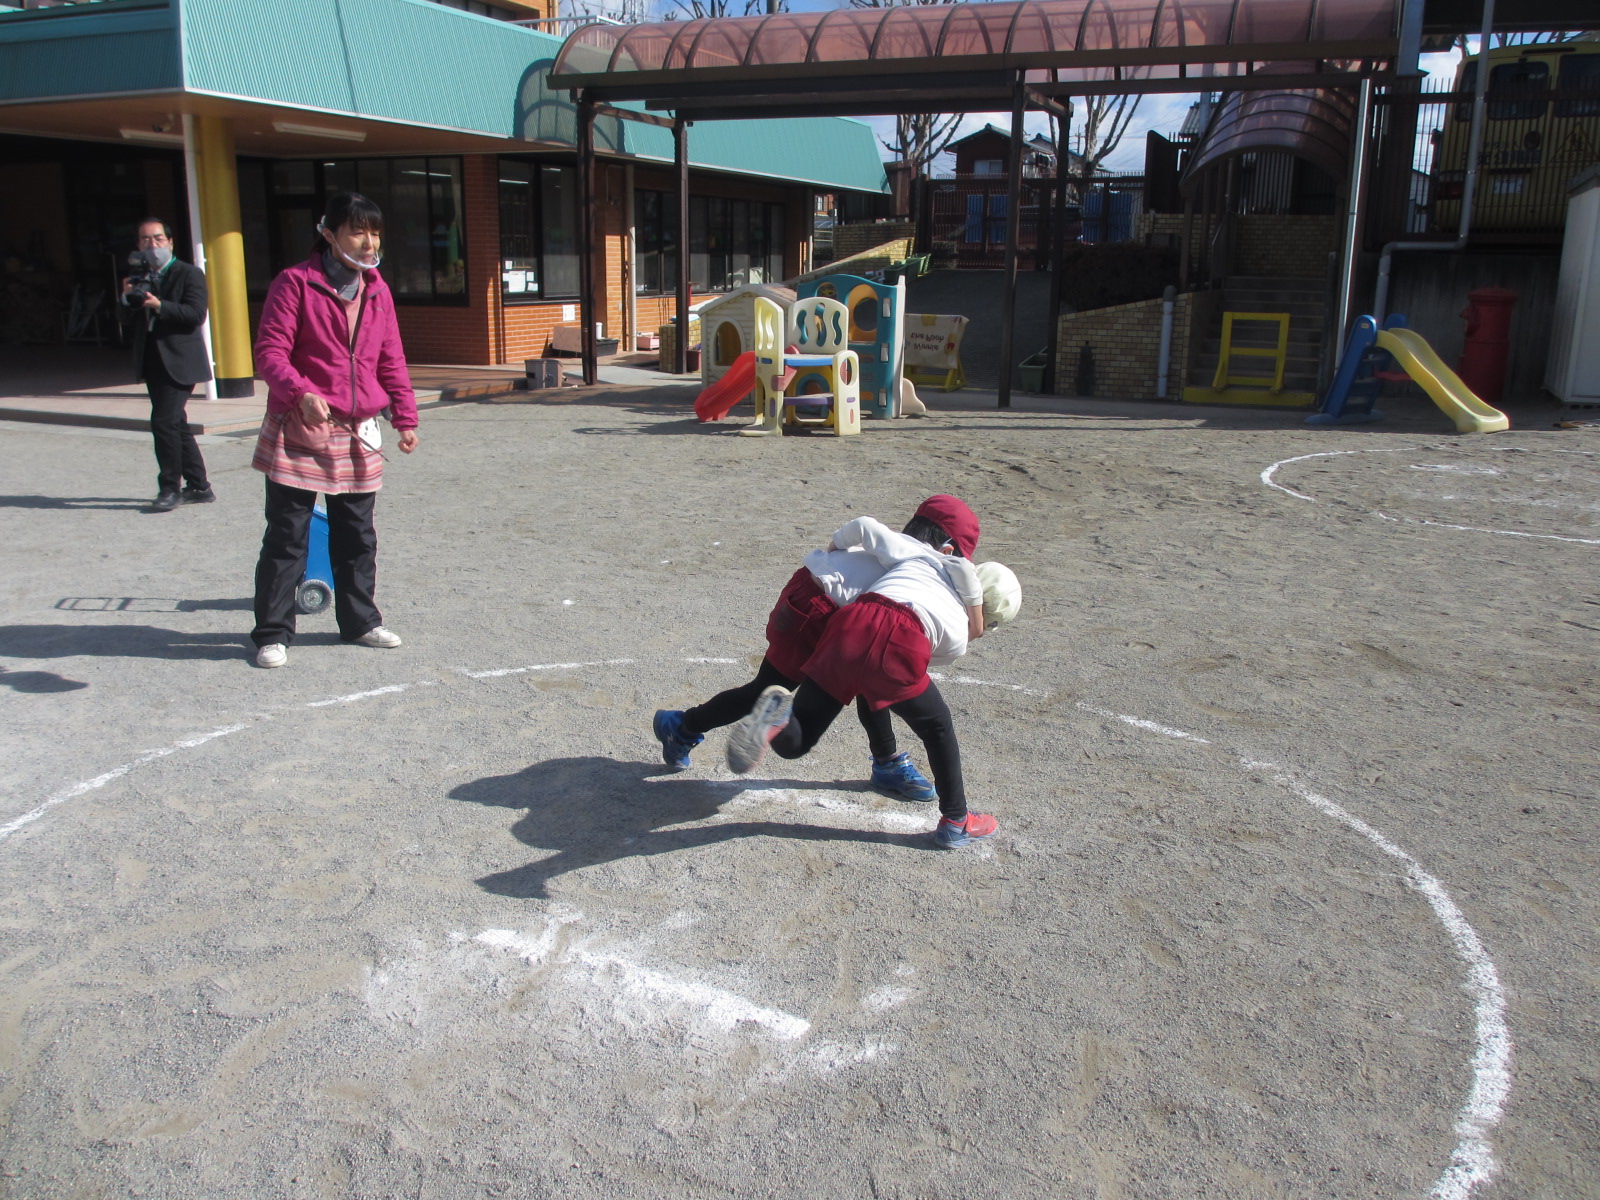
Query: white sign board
(933, 342)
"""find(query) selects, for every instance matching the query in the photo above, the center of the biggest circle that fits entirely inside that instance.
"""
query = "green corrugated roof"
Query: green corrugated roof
(116, 47)
(408, 61)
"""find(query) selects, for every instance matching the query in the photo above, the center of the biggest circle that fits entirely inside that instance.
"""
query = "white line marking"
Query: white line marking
(1141, 723)
(1473, 1161)
(561, 666)
(723, 1009)
(971, 682)
(717, 661)
(99, 781)
(354, 696)
(1267, 478)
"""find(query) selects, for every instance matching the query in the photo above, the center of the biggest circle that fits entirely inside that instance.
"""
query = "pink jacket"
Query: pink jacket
(303, 345)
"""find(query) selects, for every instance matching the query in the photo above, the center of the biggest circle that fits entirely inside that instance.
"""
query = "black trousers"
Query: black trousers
(352, 545)
(927, 714)
(727, 707)
(177, 455)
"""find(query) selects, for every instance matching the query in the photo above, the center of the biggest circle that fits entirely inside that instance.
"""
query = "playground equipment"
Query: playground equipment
(877, 312)
(315, 592)
(716, 401)
(1229, 388)
(728, 327)
(933, 350)
(1357, 380)
(805, 372)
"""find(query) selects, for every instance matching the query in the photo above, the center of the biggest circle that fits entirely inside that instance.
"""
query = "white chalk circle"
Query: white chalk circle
(1483, 498)
(1472, 1161)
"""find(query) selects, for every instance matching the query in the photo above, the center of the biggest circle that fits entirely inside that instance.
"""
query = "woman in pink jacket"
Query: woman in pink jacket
(329, 348)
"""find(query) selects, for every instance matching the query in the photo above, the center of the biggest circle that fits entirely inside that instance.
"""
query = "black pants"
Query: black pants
(177, 455)
(727, 707)
(927, 714)
(352, 544)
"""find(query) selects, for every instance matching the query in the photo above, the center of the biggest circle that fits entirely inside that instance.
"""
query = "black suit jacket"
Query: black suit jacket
(182, 291)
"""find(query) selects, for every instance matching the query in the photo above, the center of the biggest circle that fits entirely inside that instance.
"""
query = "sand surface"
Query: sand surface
(1294, 893)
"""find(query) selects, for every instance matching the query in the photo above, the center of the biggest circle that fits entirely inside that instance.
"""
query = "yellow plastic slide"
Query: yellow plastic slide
(1458, 402)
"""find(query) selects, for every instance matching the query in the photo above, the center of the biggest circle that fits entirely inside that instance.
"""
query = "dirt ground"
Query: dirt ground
(1294, 893)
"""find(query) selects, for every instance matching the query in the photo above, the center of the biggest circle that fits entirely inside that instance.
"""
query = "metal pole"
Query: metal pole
(1013, 202)
(630, 290)
(1352, 227)
(680, 340)
(197, 237)
(1058, 244)
(1469, 188)
(586, 239)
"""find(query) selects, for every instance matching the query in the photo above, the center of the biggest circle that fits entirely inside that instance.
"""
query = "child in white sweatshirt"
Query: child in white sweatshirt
(924, 609)
(828, 581)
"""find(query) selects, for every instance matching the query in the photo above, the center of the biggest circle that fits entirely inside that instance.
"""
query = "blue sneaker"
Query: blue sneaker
(971, 828)
(900, 778)
(676, 742)
(748, 742)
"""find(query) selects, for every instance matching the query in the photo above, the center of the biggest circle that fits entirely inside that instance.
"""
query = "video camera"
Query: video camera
(142, 273)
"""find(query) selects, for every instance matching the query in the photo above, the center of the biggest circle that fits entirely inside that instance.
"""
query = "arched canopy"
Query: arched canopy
(1313, 124)
(970, 56)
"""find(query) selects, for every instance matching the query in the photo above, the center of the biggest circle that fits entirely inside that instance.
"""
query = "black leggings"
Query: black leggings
(727, 707)
(927, 714)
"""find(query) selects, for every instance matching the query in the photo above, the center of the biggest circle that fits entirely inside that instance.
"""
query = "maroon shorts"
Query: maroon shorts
(875, 648)
(796, 623)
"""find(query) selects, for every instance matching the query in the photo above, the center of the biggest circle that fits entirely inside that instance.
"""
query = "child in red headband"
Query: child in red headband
(925, 609)
(813, 594)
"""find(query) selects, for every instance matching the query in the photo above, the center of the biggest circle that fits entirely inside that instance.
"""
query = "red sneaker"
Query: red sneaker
(971, 828)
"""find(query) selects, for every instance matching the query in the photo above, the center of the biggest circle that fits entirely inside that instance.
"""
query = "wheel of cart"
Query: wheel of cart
(315, 592)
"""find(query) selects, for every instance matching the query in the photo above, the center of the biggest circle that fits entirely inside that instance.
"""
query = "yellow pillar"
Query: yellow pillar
(218, 178)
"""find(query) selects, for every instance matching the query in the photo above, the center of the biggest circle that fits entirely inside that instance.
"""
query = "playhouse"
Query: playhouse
(728, 326)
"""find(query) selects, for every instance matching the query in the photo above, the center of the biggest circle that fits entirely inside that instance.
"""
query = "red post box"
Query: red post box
(1488, 345)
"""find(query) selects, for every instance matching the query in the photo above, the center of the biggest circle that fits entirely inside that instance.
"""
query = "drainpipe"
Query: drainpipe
(1164, 361)
(1468, 189)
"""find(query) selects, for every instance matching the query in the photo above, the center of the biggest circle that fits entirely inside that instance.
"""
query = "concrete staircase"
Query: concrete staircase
(1305, 300)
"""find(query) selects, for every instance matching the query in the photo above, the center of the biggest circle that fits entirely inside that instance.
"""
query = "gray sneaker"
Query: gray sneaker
(273, 654)
(748, 742)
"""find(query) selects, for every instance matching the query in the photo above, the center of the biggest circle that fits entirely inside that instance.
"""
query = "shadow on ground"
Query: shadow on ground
(130, 641)
(595, 810)
(38, 681)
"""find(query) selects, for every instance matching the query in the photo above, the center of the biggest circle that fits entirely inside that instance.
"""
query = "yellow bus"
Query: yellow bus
(1541, 127)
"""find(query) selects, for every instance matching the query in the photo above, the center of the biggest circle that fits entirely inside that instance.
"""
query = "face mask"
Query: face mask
(371, 265)
(159, 256)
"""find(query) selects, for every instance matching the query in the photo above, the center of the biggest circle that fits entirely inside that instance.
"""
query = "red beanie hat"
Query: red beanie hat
(959, 522)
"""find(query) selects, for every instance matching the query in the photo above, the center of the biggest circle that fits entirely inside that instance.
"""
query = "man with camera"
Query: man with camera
(165, 300)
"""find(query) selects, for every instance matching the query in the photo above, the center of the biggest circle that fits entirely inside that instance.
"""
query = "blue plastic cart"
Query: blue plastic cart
(315, 592)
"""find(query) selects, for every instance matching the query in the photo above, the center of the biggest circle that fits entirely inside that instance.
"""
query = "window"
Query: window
(731, 242)
(1579, 73)
(1515, 90)
(538, 231)
(424, 252)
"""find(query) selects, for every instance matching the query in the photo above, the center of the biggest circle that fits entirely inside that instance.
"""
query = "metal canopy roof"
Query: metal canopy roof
(1315, 125)
(969, 57)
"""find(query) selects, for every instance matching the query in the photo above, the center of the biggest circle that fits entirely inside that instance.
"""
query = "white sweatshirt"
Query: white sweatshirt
(844, 574)
(937, 587)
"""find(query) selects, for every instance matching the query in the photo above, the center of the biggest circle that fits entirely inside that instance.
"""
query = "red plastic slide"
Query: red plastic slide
(717, 400)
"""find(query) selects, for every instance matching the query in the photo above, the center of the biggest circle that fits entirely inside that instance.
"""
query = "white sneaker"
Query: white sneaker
(383, 639)
(273, 654)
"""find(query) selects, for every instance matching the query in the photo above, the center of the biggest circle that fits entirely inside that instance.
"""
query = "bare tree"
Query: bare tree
(919, 138)
(696, 10)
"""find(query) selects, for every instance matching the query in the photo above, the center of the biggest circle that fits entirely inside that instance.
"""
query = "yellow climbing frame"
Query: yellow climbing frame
(1228, 388)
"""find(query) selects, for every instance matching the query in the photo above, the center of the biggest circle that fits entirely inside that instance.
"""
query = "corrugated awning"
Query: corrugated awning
(969, 56)
(1314, 125)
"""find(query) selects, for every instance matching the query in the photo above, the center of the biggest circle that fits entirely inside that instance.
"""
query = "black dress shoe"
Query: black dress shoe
(166, 500)
(199, 495)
